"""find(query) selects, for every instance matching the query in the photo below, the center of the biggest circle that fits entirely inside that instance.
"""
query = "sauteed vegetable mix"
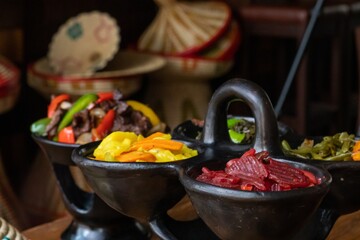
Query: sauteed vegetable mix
(340, 146)
(93, 116)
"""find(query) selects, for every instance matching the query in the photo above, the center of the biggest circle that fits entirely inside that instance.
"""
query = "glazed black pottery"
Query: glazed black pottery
(144, 191)
(254, 215)
(92, 218)
(251, 215)
(343, 197)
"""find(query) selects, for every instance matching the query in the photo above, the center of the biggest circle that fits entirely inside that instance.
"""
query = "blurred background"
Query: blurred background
(323, 98)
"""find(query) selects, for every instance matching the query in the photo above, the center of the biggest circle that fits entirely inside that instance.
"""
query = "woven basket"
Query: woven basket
(9, 232)
(183, 28)
(9, 85)
(124, 72)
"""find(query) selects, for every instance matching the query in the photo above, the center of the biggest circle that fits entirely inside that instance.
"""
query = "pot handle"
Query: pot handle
(215, 127)
(76, 200)
(167, 228)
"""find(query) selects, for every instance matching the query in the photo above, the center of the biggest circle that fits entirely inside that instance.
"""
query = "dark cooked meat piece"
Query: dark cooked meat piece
(141, 121)
(51, 128)
(122, 107)
(81, 123)
(107, 105)
(129, 120)
(117, 95)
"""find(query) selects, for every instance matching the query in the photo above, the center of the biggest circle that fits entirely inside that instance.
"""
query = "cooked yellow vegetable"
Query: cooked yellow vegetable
(129, 147)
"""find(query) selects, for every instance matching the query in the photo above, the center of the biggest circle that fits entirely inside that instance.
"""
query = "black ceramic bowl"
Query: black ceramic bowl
(143, 191)
(254, 215)
(92, 218)
(343, 197)
(139, 190)
(250, 215)
(146, 190)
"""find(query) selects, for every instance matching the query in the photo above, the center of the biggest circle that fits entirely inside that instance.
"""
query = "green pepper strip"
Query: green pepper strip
(39, 126)
(79, 105)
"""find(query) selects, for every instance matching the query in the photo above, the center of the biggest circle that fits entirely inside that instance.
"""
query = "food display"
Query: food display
(93, 116)
(130, 147)
(258, 172)
(340, 146)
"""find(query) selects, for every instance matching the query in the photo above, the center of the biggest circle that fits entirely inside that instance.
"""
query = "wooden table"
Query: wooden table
(347, 227)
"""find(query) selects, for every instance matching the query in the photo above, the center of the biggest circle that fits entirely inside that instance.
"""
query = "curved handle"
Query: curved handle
(215, 128)
(167, 228)
(83, 206)
(76, 200)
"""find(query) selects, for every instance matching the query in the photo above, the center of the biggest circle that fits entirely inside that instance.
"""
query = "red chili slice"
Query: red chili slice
(55, 102)
(104, 96)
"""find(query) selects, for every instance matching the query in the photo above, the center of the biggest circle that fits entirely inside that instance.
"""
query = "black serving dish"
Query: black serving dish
(92, 218)
(343, 197)
(146, 190)
(254, 215)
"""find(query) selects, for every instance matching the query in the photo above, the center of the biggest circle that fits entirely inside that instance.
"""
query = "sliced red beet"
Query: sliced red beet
(285, 174)
(258, 172)
(219, 178)
(250, 169)
(311, 176)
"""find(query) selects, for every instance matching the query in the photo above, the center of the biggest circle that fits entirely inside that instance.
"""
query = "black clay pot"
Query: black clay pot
(254, 215)
(343, 197)
(146, 190)
(92, 218)
(251, 215)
